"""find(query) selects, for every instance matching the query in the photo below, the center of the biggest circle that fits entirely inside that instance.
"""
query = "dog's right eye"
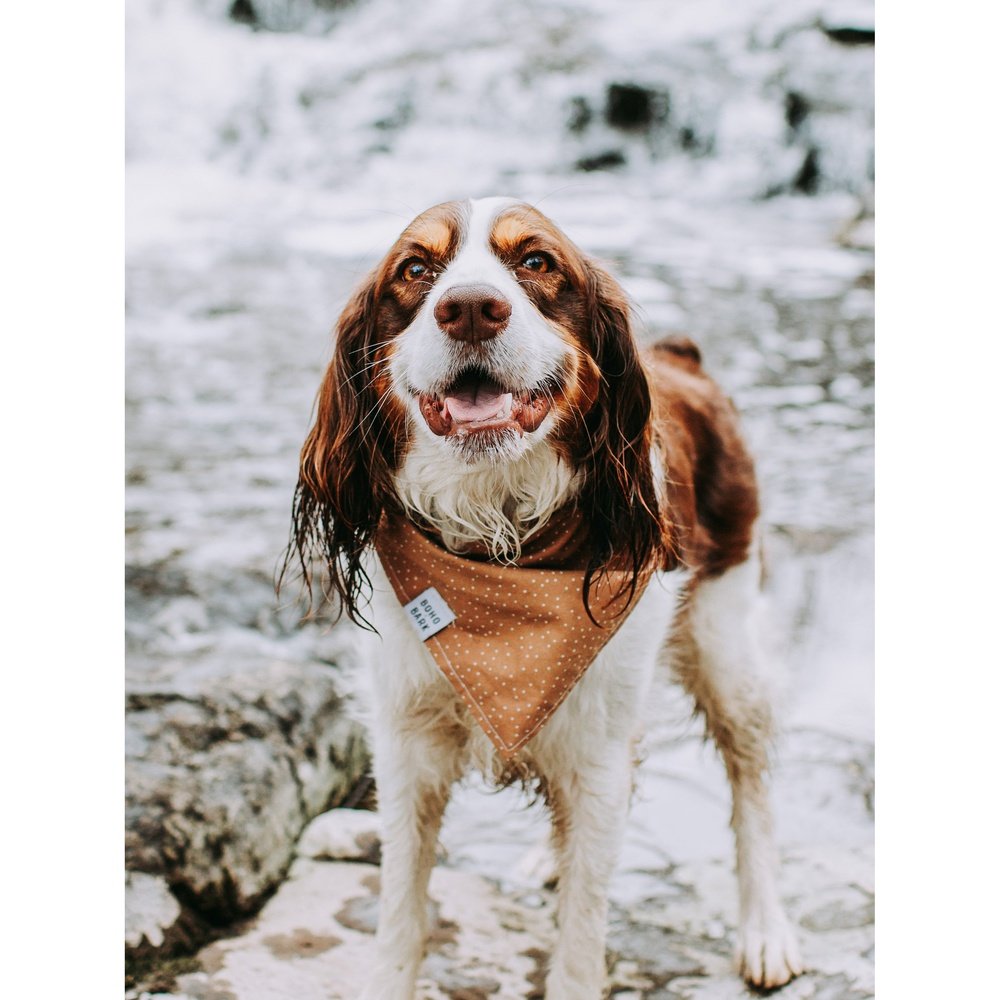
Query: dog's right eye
(414, 270)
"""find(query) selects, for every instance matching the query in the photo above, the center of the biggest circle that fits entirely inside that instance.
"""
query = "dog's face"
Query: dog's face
(493, 353)
(485, 331)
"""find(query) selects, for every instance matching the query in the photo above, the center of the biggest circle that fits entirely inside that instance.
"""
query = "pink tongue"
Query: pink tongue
(479, 401)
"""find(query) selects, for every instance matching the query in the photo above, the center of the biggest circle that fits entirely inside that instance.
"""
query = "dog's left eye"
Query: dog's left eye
(537, 262)
(414, 270)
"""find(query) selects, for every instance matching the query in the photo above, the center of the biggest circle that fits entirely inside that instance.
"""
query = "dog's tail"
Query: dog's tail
(683, 351)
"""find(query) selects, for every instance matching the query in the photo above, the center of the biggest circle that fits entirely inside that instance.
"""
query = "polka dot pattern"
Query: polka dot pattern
(521, 638)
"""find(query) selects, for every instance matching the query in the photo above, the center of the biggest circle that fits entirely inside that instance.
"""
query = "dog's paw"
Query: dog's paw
(768, 954)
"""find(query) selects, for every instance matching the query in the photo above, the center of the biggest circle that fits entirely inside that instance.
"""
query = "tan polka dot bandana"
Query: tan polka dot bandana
(513, 640)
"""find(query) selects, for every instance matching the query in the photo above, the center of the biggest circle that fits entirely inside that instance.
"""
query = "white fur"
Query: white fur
(459, 500)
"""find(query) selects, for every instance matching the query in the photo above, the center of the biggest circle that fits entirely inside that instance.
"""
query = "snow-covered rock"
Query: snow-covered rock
(342, 835)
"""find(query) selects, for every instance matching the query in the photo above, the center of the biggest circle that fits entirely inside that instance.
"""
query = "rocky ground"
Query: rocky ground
(313, 940)
(243, 725)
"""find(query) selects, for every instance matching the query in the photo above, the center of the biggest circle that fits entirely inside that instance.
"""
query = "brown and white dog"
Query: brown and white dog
(485, 375)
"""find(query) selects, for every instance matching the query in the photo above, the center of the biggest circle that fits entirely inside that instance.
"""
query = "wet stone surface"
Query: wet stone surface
(314, 939)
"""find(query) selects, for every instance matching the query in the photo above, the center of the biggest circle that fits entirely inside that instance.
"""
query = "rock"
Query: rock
(658, 951)
(631, 107)
(223, 771)
(847, 35)
(797, 108)
(849, 907)
(242, 12)
(283, 16)
(849, 23)
(808, 177)
(151, 910)
(580, 114)
(601, 161)
(343, 835)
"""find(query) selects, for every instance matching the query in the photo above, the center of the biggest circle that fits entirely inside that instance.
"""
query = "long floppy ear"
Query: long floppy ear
(347, 459)
(628, 529)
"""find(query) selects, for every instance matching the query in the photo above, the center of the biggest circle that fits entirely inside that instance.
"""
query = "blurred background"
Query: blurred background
(719, 157)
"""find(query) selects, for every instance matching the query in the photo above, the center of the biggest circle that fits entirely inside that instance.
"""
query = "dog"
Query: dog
(487, 400)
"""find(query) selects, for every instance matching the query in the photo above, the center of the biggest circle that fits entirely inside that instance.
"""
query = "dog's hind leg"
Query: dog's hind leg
(719, 660)
(415, 767)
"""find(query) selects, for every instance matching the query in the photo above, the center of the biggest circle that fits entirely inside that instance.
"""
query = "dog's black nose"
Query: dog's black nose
(472, 313)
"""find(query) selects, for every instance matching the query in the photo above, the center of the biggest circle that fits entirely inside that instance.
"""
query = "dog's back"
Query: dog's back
(711, 486)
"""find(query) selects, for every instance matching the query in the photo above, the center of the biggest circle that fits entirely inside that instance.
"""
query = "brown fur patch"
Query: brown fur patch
(433, 238)
(711, 479)
(522, 228)
(682, 347)
(437, 232)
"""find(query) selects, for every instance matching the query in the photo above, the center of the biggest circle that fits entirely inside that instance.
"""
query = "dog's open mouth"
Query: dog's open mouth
(476, 403)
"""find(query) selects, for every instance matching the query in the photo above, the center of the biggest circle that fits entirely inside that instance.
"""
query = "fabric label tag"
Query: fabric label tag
(428, 613)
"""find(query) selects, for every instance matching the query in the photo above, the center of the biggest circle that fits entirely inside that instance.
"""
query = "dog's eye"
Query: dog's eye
(537, 262)
(414, 270)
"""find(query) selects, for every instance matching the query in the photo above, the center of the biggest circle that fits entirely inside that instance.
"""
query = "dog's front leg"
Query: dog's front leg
(589, 802)
(414, 769)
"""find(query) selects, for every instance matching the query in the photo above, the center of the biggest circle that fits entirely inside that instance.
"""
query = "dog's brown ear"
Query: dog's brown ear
(347, 459)
(627, 527)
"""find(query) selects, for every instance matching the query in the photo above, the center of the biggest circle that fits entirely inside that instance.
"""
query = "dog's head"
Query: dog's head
(485, 331)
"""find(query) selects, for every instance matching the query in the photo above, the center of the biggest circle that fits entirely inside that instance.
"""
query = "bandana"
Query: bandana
(512, 639)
